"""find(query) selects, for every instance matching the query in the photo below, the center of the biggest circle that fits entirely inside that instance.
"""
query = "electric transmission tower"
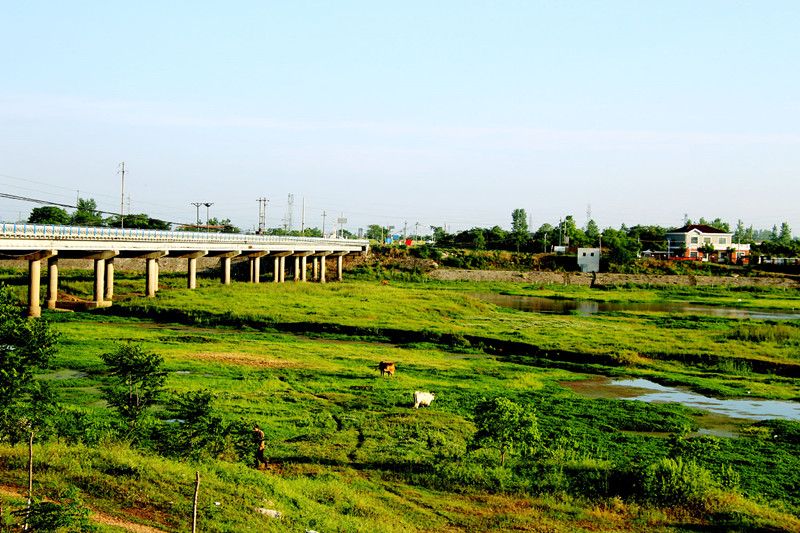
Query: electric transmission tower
(262, 215)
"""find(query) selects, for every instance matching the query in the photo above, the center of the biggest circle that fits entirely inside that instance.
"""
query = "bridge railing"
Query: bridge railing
(52, 231)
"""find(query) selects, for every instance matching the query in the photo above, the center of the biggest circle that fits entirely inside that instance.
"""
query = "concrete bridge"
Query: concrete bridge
(36, 243)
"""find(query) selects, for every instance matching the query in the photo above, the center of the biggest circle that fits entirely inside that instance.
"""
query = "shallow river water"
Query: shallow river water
(538, 304)
(723, 415)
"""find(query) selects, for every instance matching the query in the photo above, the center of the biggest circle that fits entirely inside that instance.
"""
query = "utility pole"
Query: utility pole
(262, 215)
(416, 231)
(289, 212)
(208, 205)
(324, 214)
(303, 217)
(122, 197)
(405, 230)
(197, 217)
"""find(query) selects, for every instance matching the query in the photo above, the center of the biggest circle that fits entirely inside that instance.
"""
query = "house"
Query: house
(705, 243)
(589, 259)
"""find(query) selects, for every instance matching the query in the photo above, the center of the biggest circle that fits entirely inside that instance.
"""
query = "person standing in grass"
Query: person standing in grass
(258, 438)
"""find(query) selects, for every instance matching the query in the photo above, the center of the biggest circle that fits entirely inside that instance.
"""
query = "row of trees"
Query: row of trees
(87, 214)
(622, 244)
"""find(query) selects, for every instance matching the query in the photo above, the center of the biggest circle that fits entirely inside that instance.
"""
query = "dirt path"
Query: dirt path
(96, 516)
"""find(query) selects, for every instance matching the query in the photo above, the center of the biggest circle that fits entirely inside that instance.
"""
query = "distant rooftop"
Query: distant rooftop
(702, 228)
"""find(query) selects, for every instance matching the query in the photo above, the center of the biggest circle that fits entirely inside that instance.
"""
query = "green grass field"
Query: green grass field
(348, 453)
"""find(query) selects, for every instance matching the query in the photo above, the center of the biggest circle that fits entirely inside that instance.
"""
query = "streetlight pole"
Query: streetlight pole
(208, 205)
(122, 197)
(197, 216)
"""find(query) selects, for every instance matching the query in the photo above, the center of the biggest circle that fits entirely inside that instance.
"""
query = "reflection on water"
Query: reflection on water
(538, 304)
(720, 412)
(739, 408)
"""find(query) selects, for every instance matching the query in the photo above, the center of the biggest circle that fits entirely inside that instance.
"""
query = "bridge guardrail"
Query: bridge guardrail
(52, 231)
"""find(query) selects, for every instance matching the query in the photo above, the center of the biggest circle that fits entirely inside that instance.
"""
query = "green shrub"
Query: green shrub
(763, 333)
(675, 482)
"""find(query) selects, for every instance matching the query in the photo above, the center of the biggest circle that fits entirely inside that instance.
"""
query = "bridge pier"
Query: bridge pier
(300, 265)
(226, 270)
(151, 272)
(35, 280)
(52, 282)
(322, 256)
(109, 295)
(315, 268)
(339, 263)
(151, 277)
(255, 266)
(99, 281)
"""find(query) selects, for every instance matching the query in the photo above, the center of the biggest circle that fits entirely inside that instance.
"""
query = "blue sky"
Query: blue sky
(427, 112)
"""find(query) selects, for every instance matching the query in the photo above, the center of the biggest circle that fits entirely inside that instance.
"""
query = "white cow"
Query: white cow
(423, 398)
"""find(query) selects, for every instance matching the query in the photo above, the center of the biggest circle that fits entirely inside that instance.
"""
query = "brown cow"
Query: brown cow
(386, 367)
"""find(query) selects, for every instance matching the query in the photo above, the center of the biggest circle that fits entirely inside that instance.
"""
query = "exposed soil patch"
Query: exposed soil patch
(582, 278)
(244, 359)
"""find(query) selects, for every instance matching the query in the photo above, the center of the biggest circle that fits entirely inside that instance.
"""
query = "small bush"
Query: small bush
(763, 333)
(675, 482)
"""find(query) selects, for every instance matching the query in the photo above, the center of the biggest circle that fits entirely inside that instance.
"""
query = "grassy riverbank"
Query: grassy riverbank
(348, 453)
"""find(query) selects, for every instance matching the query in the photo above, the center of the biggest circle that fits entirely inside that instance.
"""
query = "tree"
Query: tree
(26, 346)
(198, 430)
(375, 232)
(707, 249)
(716, 223)
(137, 381)
(505, 425)
(785, 235)
(592, 231)
(439, 235)
(621, 248)
(49, 215)
(478, 239)
(138, 221)
(573, 235)
(519, 227)
(87, 214)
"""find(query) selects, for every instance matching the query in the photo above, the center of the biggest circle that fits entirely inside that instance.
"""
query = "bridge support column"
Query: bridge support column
(191, 267)
(276, 278)
(151, 277)
(52, 282)
(34, 279)
(109, 295)
(191, 273)
(226, 270)
(339, 268)
(322, 264)
(254, 258)
(315, 268)
(303, 268)
(255, 269)
(99, 281)
(283, 268)
(297, 268)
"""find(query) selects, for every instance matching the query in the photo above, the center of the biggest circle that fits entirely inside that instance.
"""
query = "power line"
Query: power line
(67, 206)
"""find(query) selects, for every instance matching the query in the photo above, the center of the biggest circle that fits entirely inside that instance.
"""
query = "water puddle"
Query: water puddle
(735, 408)
(721, 418)
(537, 304)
